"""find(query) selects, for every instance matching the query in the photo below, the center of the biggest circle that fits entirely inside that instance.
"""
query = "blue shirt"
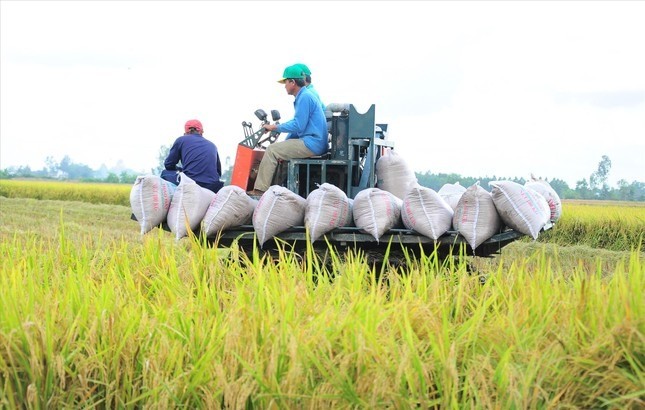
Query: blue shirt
(199, 159)
(308, 123)
(311, 88)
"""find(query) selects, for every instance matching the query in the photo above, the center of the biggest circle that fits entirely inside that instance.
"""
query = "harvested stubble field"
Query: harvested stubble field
(95, 316)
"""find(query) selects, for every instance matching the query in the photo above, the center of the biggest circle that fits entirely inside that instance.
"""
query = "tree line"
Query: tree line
(594, 187)
(68, 170)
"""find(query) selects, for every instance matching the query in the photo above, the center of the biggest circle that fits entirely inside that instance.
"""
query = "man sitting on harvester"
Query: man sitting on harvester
(198, 156)
(307, 131)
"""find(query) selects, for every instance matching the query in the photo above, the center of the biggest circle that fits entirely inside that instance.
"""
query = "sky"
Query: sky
(479, 89)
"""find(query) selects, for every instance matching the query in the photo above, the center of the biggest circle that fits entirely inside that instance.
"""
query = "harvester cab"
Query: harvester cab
(356, 142)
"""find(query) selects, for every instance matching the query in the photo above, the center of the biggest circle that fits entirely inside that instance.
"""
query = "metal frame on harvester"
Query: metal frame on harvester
(357, 142)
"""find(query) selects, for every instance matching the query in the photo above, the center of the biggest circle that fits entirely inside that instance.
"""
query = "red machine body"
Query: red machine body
(245, 169)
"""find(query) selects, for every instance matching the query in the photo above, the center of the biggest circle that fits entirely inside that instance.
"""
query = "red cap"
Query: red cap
(193, 124)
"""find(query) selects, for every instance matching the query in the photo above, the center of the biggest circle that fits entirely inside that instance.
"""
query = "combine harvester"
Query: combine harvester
(360, 195)
(357, 143)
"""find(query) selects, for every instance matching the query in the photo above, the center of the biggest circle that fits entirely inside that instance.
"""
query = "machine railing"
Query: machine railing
(357, 142)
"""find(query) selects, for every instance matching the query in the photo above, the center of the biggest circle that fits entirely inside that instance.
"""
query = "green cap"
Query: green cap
(305, 69)
(293, 71)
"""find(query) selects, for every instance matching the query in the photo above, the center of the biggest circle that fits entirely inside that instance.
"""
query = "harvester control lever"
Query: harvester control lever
(254, 139)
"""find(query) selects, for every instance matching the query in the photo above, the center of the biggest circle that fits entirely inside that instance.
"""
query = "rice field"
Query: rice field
(95, 193)
(614, 226)
(93, 315)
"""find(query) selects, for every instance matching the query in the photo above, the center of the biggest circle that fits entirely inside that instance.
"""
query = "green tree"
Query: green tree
(52, 166)
(23, 171)
(73, 170)
(598, 179)
(631, 192)
(112, 178)
(126, 178)
(582, 187)
(559, 186)
(161, 158)
(639, 191)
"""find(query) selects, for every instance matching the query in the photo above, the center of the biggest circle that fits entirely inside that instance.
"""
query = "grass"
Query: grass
(95, 193)
(615, 227)
(96, 316)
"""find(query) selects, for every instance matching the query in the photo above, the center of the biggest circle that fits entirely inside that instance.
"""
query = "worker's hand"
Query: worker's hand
(269, 127)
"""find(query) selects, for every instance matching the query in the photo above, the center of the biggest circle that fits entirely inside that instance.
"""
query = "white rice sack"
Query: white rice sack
(476, 218)
(518, 207)
(425, 212)
(552, 197)
(231, 207)
(188, 207)
(327, 208)
(394, 174)
(376, 211)
(546, 210)
(451, 193)
(278, 210)
(150, 199)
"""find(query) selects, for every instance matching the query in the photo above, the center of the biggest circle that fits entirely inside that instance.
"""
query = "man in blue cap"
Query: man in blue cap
(307, 131)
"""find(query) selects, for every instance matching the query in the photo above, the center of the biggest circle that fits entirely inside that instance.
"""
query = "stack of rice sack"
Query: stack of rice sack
(188, 206)
(325, 209)
(477, 214)
(377, 210)
(480, 214)
(421, 209)
(398, 201)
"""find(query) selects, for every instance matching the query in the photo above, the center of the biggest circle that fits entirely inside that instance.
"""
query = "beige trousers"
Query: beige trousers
(292, 148)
